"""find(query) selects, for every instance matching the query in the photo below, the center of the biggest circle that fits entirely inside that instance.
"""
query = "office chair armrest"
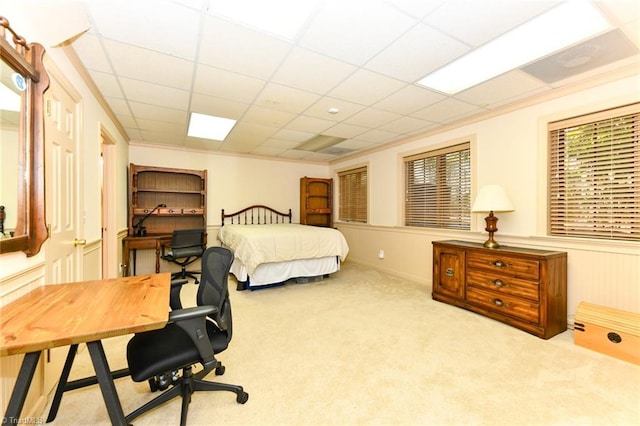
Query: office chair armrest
(194, 322)
(194, 312)
(174, 298)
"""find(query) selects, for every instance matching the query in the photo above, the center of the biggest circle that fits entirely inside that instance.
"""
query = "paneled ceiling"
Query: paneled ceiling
(349, 72)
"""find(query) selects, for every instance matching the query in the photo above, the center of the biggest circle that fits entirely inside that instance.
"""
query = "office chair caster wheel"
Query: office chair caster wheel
(220, 370)
(153, 386)
(242, 398)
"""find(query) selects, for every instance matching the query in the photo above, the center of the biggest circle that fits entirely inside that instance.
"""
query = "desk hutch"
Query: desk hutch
(183, 193)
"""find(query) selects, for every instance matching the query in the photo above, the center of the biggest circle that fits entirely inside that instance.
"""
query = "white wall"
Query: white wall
(236, 182)
(510, 150)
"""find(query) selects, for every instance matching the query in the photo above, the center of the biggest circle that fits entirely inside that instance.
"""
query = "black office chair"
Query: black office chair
(187, 246)
(180, 344)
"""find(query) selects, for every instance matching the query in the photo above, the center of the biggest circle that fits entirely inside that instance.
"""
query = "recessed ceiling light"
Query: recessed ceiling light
(562, 26)
(284, 18)
(333, 110)
(209, 126)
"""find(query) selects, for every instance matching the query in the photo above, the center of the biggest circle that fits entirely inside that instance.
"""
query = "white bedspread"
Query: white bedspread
(258, 244)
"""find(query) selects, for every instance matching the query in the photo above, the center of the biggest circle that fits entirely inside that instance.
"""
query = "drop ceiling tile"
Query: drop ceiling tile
(344, 130)
(89, 50)
(310, 124)
(406, 125)
(354, 31)
(159, 136)
(217, 106)
(321, 108)
(366, 87)
(285, 98)
(281, 143)
(119, 106)
(128, 122)
(206, 145)
(377, 136)
(317, 156)
(268, 150)
(292, 135)
(227, 85)
(173, 130)
(237, 148)
(133, 132)
(511, 85)
(354, 144)
(476, 22)
(158, 113)
(372, 118)
(312, 72)
(236, 48)
(267, 116)
(415, 8)
(155, 94)
(293, 154)
(632, 31)
(445, 111)
(625, 12)
(250, 133)
(147, 65)
(108, 84)
(409, 99)
(417, 53)
(160, 25)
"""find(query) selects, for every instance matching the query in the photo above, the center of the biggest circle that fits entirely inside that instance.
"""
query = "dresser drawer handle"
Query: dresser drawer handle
(498, 283)
(499, 264)
(498, 303)
(448, 272)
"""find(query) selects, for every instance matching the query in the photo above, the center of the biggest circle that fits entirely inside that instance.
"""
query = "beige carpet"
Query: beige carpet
(365, 348)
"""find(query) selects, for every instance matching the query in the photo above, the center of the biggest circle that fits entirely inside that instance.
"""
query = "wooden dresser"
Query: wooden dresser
(522, 287)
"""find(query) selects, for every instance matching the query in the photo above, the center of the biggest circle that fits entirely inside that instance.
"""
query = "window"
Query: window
(438, 188)
(594, 175)
(353, 195)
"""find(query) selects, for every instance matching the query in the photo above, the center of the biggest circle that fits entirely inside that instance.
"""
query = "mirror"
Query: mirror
(23, 81)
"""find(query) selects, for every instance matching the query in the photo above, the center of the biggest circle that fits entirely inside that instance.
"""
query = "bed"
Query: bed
(270, 250)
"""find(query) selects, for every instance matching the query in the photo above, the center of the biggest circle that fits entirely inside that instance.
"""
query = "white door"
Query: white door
(63, 254)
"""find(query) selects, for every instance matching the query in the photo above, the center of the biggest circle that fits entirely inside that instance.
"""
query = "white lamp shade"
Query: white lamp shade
(492, 198)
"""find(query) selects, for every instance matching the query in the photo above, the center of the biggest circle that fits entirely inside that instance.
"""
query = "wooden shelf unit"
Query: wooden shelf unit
(522, 287)
(316, 201)
(183, 191)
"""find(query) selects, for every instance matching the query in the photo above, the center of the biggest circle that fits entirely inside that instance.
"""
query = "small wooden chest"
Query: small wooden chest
(609, 331)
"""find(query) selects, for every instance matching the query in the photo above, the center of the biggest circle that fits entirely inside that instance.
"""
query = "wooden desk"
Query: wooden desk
(68, 314)
(131, 243)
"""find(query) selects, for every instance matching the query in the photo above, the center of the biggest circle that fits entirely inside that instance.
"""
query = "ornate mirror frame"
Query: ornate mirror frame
(26, 59)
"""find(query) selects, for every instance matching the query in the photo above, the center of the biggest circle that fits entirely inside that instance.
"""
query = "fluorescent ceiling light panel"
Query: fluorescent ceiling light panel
(560, 27)
(209, 127)
(283, 18)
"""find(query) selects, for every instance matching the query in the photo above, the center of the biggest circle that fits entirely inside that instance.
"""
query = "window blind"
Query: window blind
(353, 195)
(594, 175)
(438, 188)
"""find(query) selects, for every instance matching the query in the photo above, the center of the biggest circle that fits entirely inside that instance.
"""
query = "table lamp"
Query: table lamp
(492, 198)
